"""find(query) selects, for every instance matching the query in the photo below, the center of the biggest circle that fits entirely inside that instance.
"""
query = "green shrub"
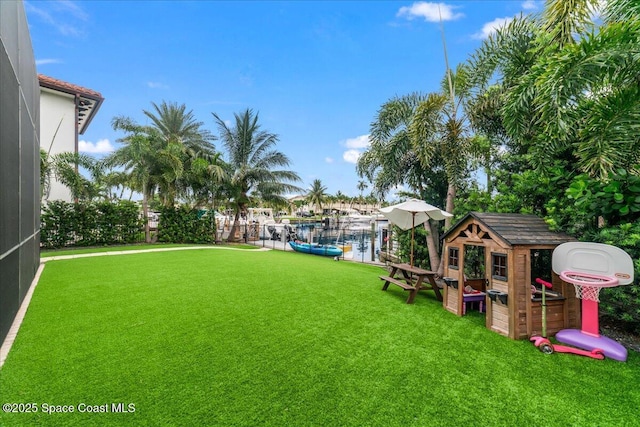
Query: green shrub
(184, 225)
(621, 304)
(89, 224)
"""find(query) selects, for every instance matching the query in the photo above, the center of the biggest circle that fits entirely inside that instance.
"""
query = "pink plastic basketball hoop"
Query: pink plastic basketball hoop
(588, 285)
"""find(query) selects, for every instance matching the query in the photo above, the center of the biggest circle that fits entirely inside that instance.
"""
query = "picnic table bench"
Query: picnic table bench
(412, 279)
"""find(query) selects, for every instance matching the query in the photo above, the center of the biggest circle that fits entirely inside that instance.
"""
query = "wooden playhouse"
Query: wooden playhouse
(500, 255)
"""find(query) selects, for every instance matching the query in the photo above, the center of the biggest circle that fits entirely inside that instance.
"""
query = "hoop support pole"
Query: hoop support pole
(590, 322)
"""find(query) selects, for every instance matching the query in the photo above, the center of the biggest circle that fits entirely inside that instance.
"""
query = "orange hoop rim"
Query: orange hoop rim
(586, 279)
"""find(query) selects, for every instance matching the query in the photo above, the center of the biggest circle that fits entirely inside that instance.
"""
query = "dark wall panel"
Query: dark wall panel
(9, 155)
(9, 295)
(19, 162)
(27, 269)
(27, 163)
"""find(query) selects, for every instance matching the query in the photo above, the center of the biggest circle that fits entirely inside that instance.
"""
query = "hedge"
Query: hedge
(184, 225)
(90, 224)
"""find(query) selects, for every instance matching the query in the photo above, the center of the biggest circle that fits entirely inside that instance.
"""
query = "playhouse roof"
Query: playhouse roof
(515, 229)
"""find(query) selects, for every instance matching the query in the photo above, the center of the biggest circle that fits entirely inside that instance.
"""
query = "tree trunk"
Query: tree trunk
(145, 214)
(434, 256)
(234, 227)
(451, 196)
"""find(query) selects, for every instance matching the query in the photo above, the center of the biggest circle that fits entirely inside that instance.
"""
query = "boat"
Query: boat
(345, 246)
(352, 216)
(259, 215)
(271, 229)
(315, 249)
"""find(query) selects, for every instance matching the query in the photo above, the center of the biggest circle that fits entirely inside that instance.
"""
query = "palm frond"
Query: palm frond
(563, 19)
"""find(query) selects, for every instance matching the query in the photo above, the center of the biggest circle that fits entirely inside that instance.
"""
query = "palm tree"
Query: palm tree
(417, 135)
(340, 198)
(570, 92)
(391, 159)
(117, 181)
(317, 195)
(203, 180)
(485, 119)
(65, 167)
(253, 164)
(361, 187)
(46, 173)
(440, 130)
(183, 139)
(138, 157)
(156, 156)
(589, 98)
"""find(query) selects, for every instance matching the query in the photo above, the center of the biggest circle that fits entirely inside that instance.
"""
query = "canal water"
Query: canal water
(361, 242)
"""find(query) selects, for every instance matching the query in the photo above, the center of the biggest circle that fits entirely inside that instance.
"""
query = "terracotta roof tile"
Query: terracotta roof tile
(88, 100)
(52, 83)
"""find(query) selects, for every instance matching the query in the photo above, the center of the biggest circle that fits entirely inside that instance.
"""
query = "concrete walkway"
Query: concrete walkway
(140, 251)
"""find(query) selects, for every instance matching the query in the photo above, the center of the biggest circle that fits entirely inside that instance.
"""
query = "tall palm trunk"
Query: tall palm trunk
(451, 197)
(145, 213)
(434, 256)
(234, 227)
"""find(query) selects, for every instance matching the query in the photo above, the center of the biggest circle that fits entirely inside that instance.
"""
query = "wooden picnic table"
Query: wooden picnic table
(411, 279)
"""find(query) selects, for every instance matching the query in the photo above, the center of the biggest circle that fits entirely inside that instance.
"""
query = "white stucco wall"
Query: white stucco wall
(57, 108)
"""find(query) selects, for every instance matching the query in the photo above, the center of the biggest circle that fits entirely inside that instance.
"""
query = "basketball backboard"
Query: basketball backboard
(593, 258)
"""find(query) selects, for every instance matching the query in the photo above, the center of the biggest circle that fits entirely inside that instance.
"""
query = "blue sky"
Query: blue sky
(315, 71)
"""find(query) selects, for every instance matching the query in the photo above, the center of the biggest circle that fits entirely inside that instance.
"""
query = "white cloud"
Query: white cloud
(328, 160)
(355, 146)
(351, 156)
(48, 61)
(529, 5)
(431, 12)
(490, 27)
(100, 147)
(361, 141)
(157, 85)
(67, 6)
(66, 16)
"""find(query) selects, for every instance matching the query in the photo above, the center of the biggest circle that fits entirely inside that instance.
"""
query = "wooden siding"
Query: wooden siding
(514, 235)
(499, 318)
(555, 318)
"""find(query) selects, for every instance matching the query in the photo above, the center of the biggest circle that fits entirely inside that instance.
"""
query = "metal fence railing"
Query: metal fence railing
(358, 242)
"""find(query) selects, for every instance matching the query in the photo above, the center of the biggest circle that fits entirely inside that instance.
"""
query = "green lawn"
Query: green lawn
(219, 337)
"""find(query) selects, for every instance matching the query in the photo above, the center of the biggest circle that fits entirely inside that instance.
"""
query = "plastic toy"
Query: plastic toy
(589, 267)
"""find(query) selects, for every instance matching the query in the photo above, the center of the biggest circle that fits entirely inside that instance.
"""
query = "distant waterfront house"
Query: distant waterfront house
(65, 112)
(331, 207)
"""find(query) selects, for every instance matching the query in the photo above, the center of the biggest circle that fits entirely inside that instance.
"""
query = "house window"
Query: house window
(453, 258)
(499, 266)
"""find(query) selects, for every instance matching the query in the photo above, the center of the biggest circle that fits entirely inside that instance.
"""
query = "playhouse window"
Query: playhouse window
(499, 266)
(453, 258)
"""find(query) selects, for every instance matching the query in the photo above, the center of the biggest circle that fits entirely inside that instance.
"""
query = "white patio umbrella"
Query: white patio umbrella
(407, 215)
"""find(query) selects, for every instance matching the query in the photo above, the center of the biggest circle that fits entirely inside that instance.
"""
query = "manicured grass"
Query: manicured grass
(215, 337)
